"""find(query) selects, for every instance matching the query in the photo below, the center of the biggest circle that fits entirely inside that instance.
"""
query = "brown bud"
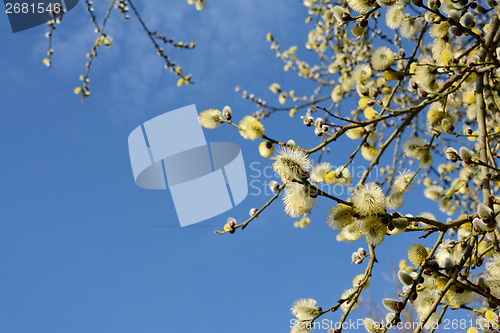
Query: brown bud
(401, 306)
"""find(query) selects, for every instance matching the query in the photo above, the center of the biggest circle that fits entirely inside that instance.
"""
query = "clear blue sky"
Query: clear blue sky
(84, 250)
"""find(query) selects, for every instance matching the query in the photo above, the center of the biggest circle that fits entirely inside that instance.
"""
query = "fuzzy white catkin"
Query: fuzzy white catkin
(484, 211)
(478, 225)
(394, 200)
(390, 304)
(467, 130)
(394, 17)
(467, 20)
(338, 12)
(227, 112)
(405, 278)
(451, 153)
(465, 153)
(389, 317)
(454, 14)
(400, 223)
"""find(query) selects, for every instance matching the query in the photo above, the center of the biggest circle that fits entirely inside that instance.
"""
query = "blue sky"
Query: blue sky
(83, 249)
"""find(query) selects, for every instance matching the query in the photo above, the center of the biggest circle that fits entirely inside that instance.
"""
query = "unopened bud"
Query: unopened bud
(310, 121)
(231, 222)
(273, 185)
(227, 113)
(484, 211)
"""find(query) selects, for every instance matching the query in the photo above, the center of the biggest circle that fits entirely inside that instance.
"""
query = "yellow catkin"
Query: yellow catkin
(466, 226)
(491, 316)
(417, 254)
(331, 177)
(483, 246)
(363, 102)
(391, 75)
(445, 56)
(370, 113)
(470, 98)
